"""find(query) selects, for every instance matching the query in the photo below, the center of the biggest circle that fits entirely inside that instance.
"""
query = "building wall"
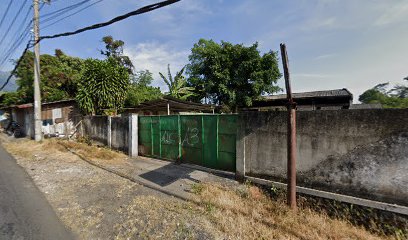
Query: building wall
(101, 130)
(58, 118)
(95, 127)
(356, 152)
(120, 133)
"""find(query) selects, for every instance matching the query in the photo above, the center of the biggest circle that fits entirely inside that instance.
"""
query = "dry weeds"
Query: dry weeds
(248, 213)
(218, 212)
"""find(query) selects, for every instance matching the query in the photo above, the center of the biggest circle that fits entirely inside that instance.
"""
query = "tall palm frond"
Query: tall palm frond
(178, 85)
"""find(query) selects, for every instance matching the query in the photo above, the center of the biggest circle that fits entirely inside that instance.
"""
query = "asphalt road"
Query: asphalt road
(24, 211)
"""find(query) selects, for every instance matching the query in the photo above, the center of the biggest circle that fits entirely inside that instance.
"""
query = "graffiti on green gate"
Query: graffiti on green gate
(207, 140)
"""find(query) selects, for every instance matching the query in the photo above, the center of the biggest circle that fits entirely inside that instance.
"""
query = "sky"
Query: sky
(331, 44)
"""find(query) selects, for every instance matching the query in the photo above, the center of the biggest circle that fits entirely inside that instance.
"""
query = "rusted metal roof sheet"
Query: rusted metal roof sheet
(315, 94)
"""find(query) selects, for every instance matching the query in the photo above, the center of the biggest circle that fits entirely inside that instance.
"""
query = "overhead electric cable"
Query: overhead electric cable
(18, 34)
(72, 14)
(5, 13)
(12, 22)
(58, 12)
(142, 10)
(19, 40)
(16, 66)
(139, 11)
(14, 48)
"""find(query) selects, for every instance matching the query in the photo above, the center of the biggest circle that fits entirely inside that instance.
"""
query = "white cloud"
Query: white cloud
(393, 14)
(311, 75)
(320, 22)
(325, 56)
(154, 57)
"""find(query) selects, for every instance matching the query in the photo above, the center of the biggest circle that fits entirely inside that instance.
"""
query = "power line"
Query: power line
(5, 13)
(14, 47)
(17, 34)
(20, 38)
(139, 11)
(72, 14)
(64, 10)
(12, 22)
(16, 66)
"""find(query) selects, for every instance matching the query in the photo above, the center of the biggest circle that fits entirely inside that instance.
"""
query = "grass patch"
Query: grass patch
(28, 148)
(197, 188)
(92, 152)
(254, 215)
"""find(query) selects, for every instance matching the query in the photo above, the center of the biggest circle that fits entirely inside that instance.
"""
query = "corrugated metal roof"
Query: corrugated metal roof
(327, 93)
(175, 103)
(29, 105)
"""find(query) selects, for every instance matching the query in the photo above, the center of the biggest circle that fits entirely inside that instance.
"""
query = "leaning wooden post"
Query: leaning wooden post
(291, 172)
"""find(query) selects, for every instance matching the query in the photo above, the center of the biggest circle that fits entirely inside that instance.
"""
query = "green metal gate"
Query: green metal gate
(206, 140)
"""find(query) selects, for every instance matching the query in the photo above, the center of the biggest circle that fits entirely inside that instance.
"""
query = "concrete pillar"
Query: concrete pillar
(240, 149)
(109, 137)
(133, 135)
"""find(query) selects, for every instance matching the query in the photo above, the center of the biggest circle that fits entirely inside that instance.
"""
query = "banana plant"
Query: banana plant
(178, 85)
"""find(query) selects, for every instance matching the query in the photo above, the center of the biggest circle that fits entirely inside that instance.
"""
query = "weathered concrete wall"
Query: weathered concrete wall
(355, 152)
(120, 133)
(96, 128)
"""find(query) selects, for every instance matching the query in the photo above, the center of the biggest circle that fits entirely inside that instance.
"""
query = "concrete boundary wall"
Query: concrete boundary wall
(118, 133)
(334, 196)
(95, 127)
(361, 153)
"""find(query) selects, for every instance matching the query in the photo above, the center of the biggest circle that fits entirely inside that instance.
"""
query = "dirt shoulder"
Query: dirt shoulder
(97, 204)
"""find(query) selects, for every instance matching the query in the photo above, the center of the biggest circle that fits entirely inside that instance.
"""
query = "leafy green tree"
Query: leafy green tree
(10, 98)
(400, 91)
(140, 91)
(114, 49)
(104, 85)
(59, 77)
(395, 98)
(231, 75)
(178, 85)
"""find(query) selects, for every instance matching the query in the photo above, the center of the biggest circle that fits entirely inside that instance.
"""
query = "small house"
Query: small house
(58, 118)
(306, 101)
(169, 105)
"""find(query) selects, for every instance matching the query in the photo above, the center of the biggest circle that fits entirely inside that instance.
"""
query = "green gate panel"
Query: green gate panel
(206, 140)
(145, 135)
(210, 125)
(169, 137)
(155, 136)
(191, 139)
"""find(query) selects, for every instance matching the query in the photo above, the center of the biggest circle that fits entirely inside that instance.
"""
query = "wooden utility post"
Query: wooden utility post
(37, 92)
(291, 172)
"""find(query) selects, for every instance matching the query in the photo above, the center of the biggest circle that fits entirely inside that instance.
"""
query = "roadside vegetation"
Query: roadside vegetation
(225, 74)
(396, 97)
(243, 211)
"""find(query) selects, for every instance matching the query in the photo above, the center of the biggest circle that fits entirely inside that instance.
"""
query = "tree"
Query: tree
(10, 98)
(178, 86)
(400, 91)
(140, 91)
(114, 49)
(395, 98)
(231, 75)
(59, 77)
(103, 86)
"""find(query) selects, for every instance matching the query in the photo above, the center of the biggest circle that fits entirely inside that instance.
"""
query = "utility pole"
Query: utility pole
(37, 91)
(291, 148)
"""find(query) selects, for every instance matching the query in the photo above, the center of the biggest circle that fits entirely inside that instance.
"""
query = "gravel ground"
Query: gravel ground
(96, 204)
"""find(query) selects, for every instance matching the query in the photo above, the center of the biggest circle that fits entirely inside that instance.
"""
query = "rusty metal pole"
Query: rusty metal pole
(291, 145)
